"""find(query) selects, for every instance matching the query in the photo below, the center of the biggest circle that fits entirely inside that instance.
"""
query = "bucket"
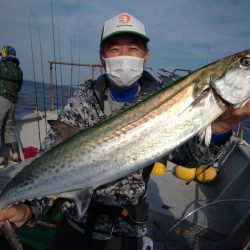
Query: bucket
(30, 152)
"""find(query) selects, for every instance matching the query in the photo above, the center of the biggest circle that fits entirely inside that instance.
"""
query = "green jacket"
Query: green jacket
(11, 80)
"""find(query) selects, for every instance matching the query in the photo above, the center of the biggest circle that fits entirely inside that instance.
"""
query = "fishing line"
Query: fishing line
(247, 247)
(59, 50)
(34, 78)
(71, 68)
(79, 56)
(54, 50)
(204, 206)
(43, 84)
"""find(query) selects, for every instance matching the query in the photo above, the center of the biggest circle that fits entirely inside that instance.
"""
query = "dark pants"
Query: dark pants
(68, 238)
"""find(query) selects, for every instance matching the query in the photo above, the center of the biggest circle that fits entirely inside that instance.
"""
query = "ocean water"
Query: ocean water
(38, 96)
(31, 92)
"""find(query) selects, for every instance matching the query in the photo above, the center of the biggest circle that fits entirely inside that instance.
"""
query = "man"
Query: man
(117, 215)
(11, 79)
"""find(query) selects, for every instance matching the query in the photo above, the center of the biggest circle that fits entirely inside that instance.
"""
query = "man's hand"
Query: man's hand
(231, 118)
(17, 215)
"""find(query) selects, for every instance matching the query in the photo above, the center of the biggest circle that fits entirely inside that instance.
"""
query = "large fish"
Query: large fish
(134, 138)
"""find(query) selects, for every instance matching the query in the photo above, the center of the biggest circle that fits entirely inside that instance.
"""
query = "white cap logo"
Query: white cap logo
(123, 23)
(124, 18)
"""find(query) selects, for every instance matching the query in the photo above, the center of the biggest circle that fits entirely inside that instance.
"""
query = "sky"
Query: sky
(185, 34)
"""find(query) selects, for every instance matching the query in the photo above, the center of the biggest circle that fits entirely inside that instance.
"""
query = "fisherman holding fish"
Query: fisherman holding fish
(117, 213)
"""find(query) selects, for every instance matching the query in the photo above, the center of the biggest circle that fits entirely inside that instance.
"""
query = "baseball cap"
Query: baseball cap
(8, 51)
(123, 23)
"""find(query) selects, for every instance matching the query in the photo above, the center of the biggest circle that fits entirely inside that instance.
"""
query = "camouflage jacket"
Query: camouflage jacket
(85, 109)
(11, 80)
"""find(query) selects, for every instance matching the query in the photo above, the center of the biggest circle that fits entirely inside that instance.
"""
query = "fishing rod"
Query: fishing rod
(225, 153)
(54, 50)
(34, 79)
(43, 83)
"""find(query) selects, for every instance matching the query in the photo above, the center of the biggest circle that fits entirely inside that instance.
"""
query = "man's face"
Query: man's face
(124, 45)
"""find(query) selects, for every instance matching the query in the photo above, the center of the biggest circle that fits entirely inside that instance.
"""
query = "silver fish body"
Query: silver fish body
(134, 138)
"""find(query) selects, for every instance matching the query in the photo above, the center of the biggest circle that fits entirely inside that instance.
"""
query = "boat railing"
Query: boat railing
(92, 67)
(167, 77)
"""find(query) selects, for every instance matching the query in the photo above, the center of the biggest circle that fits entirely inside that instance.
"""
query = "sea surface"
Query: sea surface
(35, 96)
(38, 96)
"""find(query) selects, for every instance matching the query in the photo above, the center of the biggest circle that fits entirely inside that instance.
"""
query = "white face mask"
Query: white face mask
(123, 71)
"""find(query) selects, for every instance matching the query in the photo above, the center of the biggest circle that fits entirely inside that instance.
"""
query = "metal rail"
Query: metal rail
(92, 66)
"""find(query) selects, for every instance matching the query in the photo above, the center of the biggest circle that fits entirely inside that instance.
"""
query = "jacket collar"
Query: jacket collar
(147, 83)
(11, 59)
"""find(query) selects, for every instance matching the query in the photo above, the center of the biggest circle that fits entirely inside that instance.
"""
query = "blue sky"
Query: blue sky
(184, 33)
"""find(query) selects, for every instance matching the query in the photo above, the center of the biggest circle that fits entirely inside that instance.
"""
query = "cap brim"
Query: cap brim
(145, 38)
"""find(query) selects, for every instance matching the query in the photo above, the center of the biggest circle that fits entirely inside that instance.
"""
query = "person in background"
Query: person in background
(11, 80)
(118, 212)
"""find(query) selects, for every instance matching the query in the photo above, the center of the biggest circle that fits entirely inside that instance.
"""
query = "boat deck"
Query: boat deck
(224, 220)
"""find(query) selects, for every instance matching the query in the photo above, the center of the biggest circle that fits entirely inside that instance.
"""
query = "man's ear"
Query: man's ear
(101, 59)
(146, 58)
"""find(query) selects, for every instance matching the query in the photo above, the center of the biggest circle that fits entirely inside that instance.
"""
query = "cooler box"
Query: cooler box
(30, 152)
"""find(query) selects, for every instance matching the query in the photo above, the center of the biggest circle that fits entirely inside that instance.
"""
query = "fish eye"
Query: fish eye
(244, 61)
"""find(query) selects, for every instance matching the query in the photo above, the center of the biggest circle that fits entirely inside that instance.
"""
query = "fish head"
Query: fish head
(234, 85)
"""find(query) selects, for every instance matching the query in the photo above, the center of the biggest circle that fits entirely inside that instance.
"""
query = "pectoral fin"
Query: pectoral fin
(81, 199)
(206, 135)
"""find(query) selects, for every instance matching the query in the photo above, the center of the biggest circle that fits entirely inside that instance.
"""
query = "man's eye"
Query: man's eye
(134, 48)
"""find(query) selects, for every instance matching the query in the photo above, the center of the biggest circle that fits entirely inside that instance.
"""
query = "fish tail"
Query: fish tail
(11, 236)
